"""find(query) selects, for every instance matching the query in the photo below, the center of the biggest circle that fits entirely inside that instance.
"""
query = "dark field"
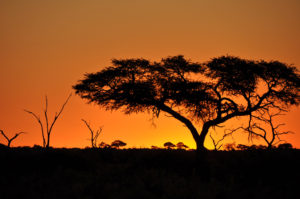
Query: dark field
(143, 173)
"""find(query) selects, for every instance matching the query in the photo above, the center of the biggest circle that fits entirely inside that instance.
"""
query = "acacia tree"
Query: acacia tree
(210, 93)
(117, 144)
(181, 145)
(169, 145)
(9, 140)
(104, 145)
(47, 130)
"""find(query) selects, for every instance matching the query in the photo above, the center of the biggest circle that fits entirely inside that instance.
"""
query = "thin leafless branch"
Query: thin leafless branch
(94, 134)
(216, 143)
(9, 140)
(41, 125)
(49, 126)
(266, 116)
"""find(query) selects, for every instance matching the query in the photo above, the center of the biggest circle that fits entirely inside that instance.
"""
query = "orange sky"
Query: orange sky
(46, 46)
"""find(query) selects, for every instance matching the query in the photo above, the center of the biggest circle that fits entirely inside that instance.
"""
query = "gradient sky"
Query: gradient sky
(46, 47)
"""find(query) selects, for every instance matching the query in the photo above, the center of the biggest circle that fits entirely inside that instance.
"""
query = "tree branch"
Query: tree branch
(11, 139)
(46, 141)
(41, 125)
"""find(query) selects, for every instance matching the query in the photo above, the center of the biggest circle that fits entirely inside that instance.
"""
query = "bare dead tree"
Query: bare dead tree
(9, 140)
(46, 131)
(94, 134)
(218, 143)
(261, 125)
(270, 133)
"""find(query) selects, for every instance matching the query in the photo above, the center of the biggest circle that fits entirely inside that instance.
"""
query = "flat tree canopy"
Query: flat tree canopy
(209, 93)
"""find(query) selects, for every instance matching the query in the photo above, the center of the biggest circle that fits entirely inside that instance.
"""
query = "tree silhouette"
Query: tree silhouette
(117, 144)
(263, 126)
(242, 147)
(181, 145)
(9, 140)
(229, 147)
(218, 143)
(94, 134)
(103, 145)
(210, 93)
(252, 147)
(285, 146)
(169, 145)
(49, 126)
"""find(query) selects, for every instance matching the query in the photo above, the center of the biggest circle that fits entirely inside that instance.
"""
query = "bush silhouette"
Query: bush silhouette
(169, 145)
(181, 145)
(117, 144)
(285, 146)
(104, 145)
(229, 147)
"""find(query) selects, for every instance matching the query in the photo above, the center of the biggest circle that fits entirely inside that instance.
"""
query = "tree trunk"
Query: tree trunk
(185, 121)
(202, 136)
(9, 142)
(199, 139)
(48, 140)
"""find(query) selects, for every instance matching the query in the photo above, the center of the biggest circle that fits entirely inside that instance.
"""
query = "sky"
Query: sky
(47, 46)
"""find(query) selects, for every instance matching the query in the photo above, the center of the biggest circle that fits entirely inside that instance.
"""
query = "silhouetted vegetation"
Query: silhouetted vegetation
(155, 147)
(254, 147)
(181, 145)
(285, 146)
(9, 140)
(104, 145)
(169, 145)
(158, 174)
(218, 143)
(94, 134)
(212, 92)
(263, 126)
(229, 147)
(117, 144)
(47, 129)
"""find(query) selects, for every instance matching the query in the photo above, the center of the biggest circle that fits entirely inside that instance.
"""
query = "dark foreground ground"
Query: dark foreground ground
(141, 173)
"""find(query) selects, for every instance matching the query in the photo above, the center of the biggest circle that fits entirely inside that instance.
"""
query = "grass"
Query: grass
(144, 173)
